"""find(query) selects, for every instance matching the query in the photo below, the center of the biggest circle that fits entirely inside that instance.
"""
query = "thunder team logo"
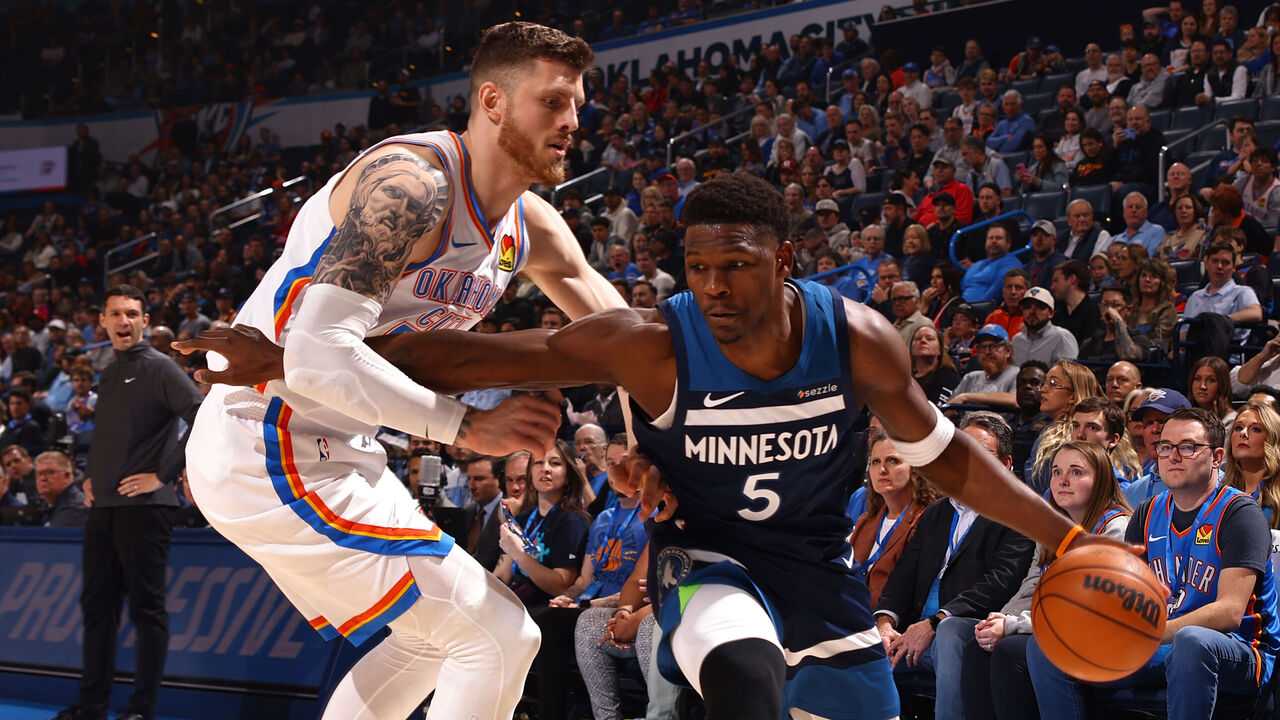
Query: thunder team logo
(507, 254)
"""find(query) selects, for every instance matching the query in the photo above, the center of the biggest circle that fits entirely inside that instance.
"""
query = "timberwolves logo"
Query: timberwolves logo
(674, 565)
(507, 254)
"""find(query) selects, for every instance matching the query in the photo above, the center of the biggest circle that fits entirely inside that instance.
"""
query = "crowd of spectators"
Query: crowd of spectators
(1041, 330)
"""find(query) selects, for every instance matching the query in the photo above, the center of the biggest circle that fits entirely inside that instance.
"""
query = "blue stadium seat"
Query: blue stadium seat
(866, 201)
(1247, 108)
(945, 103)
(1045, 205)
(1051, 83)
(1014, 158)
(1268, 132)
(1271, 107)
(1213, 140)
(1200, 156)
(1013, 203)
(1189, 118)
(1171, 136)
(1188, 272)
(1033, 104)
(1099, 196)
(1026, 87)
(983, 309)
(1160, 119)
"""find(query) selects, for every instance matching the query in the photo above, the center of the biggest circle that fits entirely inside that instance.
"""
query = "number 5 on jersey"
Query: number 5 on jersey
(770, 497)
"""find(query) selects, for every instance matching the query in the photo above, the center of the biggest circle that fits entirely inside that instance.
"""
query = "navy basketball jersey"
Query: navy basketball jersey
(1190, 562)
(764, 466)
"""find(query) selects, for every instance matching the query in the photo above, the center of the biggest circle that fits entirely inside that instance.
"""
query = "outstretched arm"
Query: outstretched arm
(964, 471)
(558, 267)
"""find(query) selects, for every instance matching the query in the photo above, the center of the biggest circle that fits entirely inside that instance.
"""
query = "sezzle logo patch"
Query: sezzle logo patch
(818, 391)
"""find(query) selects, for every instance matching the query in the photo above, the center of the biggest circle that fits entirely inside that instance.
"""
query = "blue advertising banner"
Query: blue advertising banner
(228, 623)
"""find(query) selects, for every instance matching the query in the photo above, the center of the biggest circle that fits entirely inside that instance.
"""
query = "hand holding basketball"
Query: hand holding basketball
(1099, 612)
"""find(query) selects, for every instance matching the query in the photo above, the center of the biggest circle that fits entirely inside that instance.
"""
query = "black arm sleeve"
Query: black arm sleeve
(1137, 525)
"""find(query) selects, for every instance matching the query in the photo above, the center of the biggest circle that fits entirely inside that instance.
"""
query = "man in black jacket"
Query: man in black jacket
(136, 458)
(484, 514)
(956, 563)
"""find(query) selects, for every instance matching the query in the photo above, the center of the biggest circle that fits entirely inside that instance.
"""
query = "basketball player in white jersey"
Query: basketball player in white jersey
(420, 232)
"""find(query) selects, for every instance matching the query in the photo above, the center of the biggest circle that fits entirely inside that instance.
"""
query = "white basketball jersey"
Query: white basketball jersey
(453, 289)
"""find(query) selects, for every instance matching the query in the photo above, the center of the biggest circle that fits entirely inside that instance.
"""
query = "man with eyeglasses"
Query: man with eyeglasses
(1209, 544)
(1152, 413)
(907, 317)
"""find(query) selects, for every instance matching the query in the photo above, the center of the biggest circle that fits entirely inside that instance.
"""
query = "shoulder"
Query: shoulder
(1117, 527)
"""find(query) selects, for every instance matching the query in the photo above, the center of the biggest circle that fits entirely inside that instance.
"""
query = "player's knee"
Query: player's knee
(743, 679)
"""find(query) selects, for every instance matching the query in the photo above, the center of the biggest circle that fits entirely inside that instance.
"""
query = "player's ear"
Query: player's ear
(490, 101)
(785, 258)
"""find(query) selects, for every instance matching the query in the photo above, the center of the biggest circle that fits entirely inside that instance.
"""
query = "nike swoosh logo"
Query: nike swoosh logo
(129, 380)
(1152, 538)
(455, 243)
(709, 402)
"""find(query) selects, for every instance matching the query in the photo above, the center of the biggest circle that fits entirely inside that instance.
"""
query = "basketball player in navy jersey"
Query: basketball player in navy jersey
(743, 392)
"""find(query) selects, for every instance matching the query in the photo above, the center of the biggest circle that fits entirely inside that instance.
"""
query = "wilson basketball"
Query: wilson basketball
(1099, 613)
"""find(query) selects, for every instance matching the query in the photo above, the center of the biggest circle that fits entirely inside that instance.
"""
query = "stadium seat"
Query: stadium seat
(1212, 140)
(1051, 83)
(945, 103)
(1268, 132)
(1188, 272)
(1033, 104)
(1189, 118)
(1236, 108)
(866, 201)
(1200, 156)
(1045, 205)
(1271, 108)
(1013, 203)
(1026, 87)
(1013, 159)
(1160, 119)
(1099, 196)
(1172, 136)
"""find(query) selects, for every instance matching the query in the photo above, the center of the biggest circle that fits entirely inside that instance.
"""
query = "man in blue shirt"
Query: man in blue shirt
(1014, 132)
(1222, 295)
(984, 280)
(1138, 230)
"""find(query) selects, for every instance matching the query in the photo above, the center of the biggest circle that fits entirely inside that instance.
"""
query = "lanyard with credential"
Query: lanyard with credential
(953, 542)
(880, 545)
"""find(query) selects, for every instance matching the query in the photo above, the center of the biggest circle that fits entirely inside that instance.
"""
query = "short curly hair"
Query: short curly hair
(737, 199)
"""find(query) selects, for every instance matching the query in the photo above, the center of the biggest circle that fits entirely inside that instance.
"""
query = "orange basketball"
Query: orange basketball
(1099, 613)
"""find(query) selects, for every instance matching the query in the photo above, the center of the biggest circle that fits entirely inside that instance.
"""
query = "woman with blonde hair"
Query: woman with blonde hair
(1253, 457)
(896, 496)
(1066, 384)
(992, 673)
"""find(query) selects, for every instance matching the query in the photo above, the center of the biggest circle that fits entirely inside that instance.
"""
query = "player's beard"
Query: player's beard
(521, 148)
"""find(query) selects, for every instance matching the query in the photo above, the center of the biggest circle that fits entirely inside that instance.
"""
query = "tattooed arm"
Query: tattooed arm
(398, 198)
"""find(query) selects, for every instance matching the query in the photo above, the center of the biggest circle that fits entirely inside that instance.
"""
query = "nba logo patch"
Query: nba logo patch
(507, 254)
(322, 448)
(1204, 534)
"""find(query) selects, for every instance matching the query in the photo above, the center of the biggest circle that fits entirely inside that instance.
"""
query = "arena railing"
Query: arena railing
(1164, 151)
(255, 197)
(831, 72)
(599, 173)
(1002, 217)
(724, 120)
(107, 269)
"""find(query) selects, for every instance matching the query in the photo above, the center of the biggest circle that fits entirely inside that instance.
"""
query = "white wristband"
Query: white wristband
(922, 452)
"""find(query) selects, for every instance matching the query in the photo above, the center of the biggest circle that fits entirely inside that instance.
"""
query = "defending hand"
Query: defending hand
(252, 358)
